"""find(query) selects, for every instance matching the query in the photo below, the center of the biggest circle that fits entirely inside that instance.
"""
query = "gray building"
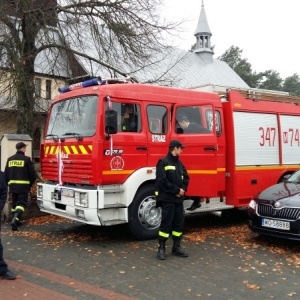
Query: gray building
(195, 69)
(198, 69)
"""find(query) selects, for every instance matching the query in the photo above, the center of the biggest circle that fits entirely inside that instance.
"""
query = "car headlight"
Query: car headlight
(252, 204)
(81, 199)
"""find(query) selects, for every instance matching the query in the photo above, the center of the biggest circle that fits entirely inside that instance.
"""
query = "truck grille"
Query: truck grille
(286, 213)
(79, 171)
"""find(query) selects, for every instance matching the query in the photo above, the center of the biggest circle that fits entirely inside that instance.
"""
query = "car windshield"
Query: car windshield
(76, 116)
(295, 177)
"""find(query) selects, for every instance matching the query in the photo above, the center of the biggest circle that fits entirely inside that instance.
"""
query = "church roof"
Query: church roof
(186, 69)
(179, 68)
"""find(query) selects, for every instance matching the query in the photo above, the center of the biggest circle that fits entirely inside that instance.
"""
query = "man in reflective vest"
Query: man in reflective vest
(171, 184)
(20, 176)
(4, 271)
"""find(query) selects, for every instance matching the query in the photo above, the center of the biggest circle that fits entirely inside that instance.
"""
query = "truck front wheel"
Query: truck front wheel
(144, 216)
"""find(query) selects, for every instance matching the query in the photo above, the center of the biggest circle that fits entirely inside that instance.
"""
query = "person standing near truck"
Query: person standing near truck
(171, 184)
(20, 176)
(5, 273)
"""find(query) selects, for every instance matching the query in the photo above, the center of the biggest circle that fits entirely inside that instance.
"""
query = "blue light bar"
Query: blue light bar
(79, 85)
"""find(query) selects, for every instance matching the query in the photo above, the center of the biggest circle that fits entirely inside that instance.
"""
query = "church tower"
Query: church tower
(203, 36)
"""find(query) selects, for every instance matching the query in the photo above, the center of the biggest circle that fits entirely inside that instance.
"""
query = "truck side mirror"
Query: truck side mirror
(111, 122)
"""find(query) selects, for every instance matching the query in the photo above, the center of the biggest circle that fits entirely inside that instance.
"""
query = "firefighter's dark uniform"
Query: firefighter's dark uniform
(20, 176)
(171, 176)
(4, 271)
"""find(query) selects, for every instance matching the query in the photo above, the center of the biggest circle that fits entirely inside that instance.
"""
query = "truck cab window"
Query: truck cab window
(129, 116)
(157, 119)
(209, 121)
(192, 119)
(76, 115)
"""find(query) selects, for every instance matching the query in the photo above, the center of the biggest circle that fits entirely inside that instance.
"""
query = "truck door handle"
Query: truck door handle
(141, 148)
(211, 148)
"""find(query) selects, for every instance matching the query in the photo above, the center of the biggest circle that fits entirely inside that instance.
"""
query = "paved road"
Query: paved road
(66, 260)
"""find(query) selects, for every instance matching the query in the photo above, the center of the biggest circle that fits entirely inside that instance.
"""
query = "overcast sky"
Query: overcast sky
(268, 31)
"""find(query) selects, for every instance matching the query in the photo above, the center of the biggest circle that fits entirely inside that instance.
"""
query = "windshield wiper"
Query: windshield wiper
(78, 136)
(54, 137)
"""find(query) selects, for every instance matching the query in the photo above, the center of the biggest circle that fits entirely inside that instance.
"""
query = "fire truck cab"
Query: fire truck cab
(102, 142)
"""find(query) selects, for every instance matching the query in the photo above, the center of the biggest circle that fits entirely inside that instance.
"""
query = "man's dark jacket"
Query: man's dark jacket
(3, 190)
(171, 176)
(20, 173)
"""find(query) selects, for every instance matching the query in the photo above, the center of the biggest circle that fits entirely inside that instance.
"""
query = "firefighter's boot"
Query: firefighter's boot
(161, 253)
(176, 250)
(16, 220)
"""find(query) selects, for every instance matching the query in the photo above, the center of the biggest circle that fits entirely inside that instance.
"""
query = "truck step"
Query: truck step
(112, 189)
(213, 205)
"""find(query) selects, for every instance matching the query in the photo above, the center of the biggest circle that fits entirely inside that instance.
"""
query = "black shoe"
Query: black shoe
(194, 206)
(18, 223)
(8, 275)
(14, 226)
(179, 252)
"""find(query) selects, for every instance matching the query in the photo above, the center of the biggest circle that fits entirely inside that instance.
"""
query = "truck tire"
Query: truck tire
(144, 216)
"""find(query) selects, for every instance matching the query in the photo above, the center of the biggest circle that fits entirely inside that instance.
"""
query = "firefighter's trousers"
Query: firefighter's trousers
(172, 220)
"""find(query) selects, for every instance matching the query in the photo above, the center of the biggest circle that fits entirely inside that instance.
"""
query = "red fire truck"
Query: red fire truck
(103, 139)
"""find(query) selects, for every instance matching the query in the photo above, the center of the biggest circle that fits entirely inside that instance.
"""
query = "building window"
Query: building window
(48, 89)
(37, 87)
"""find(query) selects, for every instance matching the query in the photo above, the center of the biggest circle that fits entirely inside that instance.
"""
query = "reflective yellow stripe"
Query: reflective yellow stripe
(16, 163)
(170, 168)
(117, 172)
(263, 168)
(67, 150)
(175, 233)
(53, 150)
(163, 234)
(74, 149)
(20, 208)
(83, 150)
(19, 181)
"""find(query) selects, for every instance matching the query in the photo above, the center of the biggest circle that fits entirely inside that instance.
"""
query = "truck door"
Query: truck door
(159, 129)
(196, 126)
(129, 144)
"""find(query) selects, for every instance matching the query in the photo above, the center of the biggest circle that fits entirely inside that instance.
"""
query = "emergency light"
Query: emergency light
(94, 81)
(79, 85)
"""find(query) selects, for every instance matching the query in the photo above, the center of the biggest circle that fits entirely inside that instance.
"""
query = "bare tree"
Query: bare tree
(51, 37)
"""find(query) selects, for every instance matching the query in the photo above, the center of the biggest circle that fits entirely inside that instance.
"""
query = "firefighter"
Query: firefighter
(129, 119)
(4, 271)
(171, 184)
(20, 176)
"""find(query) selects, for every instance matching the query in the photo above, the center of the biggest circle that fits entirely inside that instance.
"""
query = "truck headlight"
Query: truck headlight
(252, 204)
(81, 199)
(39, 191)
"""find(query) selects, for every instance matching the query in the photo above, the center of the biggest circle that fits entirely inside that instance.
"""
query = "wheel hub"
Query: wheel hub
(149, 214)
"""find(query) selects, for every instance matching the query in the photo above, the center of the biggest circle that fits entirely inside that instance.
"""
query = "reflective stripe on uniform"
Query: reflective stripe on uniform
(20, 208)
(13, 210)
(176, 233)
(16, 163)
(19, 182)
(170, 168)
(163, 234)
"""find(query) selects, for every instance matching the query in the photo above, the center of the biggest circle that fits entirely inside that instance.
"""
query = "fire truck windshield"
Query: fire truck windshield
(75, 115)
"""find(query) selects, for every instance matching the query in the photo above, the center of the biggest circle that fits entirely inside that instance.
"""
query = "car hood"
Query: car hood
(287, 192)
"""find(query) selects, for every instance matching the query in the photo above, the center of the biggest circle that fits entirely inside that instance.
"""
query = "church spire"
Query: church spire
(203, 36)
